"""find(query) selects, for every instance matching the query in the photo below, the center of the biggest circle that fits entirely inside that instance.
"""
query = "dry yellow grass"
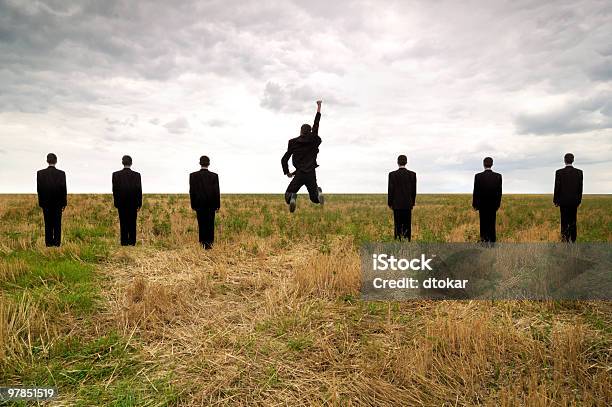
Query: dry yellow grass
(267, 318)
(273, 329)
(22, 323)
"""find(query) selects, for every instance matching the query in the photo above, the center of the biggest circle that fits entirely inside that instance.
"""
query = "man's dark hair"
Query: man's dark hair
(51, 158)
(569, 158)
(204, 161)
(126, 160)
(402, 160)
(487, 162)
(305, 129)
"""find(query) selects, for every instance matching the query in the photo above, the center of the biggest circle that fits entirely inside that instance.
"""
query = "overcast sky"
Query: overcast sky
(444, 82)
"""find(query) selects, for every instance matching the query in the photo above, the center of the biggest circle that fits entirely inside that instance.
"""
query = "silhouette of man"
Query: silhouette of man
(304, 150)
(568, 196)
(127, 196)
(52, 198)
(401, 198)
(205, 200)
(486, 199)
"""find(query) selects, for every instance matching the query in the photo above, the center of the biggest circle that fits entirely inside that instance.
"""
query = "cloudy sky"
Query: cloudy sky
(444, 82)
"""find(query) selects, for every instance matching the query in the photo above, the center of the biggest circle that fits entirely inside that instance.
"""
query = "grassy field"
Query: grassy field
(272, 315)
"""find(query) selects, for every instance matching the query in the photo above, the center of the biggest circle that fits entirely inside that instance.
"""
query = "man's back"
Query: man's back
(51, 187)
(127, 189)
(568, 186)
(304, 149)
(487, 190)
(402, 189)
(204, 190)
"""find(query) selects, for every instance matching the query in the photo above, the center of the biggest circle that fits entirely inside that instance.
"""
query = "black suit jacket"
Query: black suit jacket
(402, 189)
(204, 190)
(127, 189)
(568, 186)
(304, 150)
(51, 188)
(487, 190)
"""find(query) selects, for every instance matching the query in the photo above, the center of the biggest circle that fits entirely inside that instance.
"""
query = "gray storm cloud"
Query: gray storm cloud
(445, 82)
(179, 125)
(576, 116)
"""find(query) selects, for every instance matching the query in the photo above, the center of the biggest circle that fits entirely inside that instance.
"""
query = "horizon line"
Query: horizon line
(304, 193)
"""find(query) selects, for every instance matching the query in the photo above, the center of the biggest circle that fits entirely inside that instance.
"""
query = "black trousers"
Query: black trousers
(402, 221)
(487, 224)
(304, 178)
(127, 225)
(206, 227)
(53, 226)
(568, 223)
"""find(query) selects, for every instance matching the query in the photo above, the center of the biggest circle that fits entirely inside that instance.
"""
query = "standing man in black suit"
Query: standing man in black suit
(401, 198)
(486, 199)
(304, 150)
(127, 196)
(205, 200)
(52, 198)
(568, 196)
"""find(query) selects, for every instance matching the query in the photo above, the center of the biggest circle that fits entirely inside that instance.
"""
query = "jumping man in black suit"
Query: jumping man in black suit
(401, 198)
(205, 200)
(486, 199)
(304, 150)
(52, 198)
(127, 196)
(568, 196)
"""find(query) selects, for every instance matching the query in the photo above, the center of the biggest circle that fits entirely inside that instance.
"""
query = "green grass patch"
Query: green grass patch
(64, 284)
(101, 371)
(299, 343)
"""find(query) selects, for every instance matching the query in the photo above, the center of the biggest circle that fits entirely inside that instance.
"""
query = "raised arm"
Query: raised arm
(315, 126)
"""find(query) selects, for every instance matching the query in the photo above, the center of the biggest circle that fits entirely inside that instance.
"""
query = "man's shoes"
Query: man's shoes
(321, 197)
(292, 202)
